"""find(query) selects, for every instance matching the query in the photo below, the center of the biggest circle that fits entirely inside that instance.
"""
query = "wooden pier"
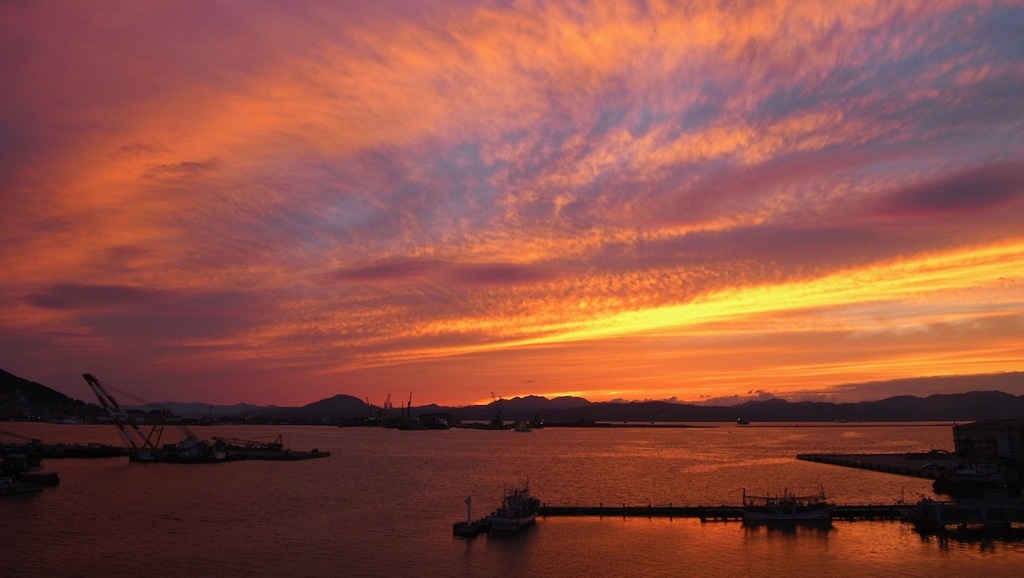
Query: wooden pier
(927, 516)
(722, 513)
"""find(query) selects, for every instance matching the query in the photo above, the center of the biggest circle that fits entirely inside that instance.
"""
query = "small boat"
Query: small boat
(787, 508)
(973, 478)
(518, 510)
(742, 421)
(522, 427)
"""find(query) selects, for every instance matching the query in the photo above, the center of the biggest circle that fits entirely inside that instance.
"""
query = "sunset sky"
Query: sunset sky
(277, 202)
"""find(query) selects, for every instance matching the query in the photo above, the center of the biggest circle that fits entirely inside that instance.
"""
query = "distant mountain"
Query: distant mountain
(338, 407)
(197, 409)
(349, 407)
(939, 407)
(537, 403)
(21, 399)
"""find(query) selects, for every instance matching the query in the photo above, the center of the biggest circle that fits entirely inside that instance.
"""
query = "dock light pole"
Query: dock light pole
(469, 509)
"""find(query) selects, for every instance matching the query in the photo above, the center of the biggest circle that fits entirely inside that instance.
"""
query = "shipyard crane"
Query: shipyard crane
(129, 430)
(497, 403)
(385, 410)
(377, 414)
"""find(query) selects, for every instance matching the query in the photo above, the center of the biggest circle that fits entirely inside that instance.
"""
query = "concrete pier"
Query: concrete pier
(926, 465)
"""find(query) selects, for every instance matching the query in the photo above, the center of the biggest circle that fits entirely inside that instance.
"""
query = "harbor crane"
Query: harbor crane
(133, 435)
(126, 426)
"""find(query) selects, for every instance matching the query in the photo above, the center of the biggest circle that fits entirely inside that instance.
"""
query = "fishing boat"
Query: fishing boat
(787, 508)
(518, 510)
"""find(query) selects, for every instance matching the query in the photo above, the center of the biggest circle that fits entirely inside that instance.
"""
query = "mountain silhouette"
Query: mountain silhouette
(23, 399)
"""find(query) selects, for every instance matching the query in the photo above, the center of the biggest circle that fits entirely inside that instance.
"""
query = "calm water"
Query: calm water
(383, 504)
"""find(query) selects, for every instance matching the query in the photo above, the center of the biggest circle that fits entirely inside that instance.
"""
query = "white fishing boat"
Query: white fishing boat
(518, 510)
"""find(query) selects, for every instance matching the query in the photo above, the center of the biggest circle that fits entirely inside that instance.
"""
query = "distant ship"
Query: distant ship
(787, 508)
(742, 421)
(518, 510)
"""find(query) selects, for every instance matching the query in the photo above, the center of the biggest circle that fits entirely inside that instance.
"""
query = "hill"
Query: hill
(337, 407)
(939, 407)
(24, 399)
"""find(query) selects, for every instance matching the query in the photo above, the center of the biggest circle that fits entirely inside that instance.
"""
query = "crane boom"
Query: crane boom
(130, 431)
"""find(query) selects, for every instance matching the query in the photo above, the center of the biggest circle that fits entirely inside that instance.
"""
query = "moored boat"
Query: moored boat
(974, 478)
(518, 509)
(787, 508)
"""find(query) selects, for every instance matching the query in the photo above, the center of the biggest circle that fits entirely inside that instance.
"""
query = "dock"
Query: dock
(277, 455)
(721, 513)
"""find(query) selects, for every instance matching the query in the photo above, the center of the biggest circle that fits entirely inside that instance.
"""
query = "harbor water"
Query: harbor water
(383, 504)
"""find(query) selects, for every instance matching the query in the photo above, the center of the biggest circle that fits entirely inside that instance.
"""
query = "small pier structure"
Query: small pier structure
(470, 527)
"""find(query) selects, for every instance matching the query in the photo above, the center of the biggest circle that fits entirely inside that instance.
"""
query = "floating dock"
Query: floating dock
(276, 455)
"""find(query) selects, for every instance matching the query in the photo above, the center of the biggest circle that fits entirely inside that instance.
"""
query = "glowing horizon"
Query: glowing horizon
(678, 199)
